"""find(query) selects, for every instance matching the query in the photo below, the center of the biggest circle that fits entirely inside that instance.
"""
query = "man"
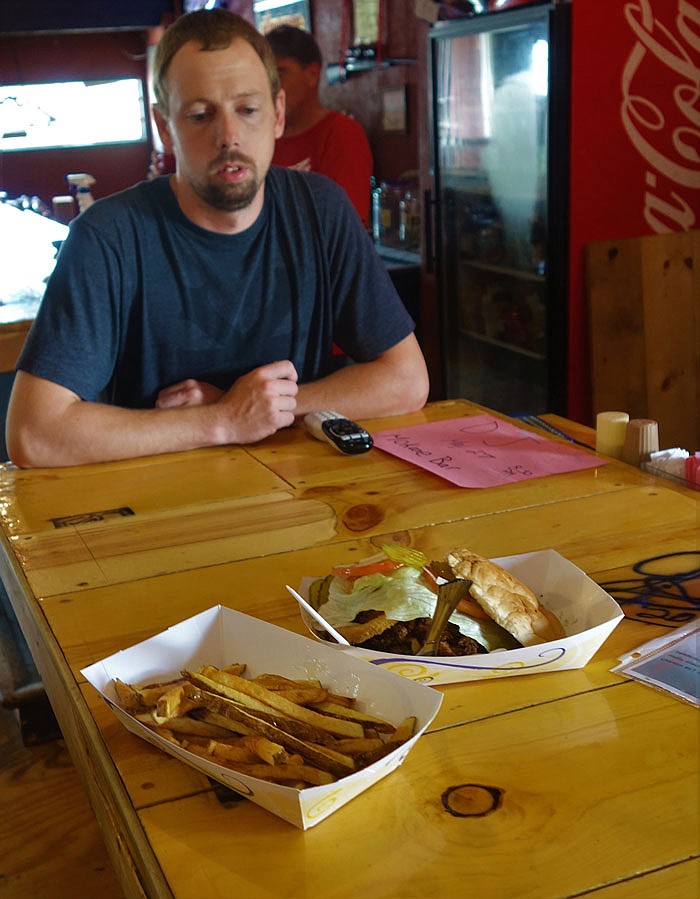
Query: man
(201, 308)
(317, 139)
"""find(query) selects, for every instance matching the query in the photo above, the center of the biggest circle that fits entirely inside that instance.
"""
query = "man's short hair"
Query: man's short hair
(288, 42)
(212, 29)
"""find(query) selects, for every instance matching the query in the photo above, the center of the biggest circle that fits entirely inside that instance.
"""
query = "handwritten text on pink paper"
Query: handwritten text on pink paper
(482, 451)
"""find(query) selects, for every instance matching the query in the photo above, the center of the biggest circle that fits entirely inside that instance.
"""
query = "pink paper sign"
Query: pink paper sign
(482, 451)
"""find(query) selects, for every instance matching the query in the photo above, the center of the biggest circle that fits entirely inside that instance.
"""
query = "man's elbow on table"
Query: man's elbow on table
(414, 395)
(408, 376)
(420, 389)
(30, 429)
(21, 447)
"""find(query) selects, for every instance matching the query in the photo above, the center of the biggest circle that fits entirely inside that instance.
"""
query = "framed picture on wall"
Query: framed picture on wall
(271, 13)
(394, 109)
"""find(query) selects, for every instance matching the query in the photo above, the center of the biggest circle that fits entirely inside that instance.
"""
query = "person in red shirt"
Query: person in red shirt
(317, 139)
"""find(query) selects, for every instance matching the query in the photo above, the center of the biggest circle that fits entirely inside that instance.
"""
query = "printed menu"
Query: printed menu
(669, 663)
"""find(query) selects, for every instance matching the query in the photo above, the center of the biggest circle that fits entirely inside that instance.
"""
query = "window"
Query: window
(71, 114)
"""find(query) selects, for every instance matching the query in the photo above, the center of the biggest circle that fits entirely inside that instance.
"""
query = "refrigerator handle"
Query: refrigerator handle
(428, 213)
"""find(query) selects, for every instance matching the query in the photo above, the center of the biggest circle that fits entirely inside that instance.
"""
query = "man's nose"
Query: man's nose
(227, 130)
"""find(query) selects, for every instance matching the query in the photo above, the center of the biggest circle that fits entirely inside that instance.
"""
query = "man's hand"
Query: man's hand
(260, 403)
(188, 393)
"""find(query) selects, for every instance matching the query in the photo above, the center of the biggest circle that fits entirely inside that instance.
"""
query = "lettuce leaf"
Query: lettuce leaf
(402, 597)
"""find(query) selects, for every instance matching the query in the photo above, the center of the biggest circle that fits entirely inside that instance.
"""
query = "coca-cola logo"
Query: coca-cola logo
(660, 110)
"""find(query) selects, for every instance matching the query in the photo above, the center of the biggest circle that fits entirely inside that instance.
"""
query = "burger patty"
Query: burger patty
(407, 637)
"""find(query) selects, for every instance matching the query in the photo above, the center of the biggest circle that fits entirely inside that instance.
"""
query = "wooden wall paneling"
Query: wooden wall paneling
(12, 337)
(644, 305)
(618, 356)
(671, 280)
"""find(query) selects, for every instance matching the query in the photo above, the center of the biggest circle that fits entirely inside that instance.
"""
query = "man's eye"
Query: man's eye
(249, 110)
(197, 116)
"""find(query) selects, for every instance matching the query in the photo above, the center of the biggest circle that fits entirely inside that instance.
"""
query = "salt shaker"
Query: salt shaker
(641, 440)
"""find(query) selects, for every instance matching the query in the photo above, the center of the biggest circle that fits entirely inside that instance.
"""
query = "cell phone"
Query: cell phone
(345, 435)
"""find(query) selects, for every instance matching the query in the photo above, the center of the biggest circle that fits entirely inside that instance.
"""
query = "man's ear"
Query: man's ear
(313, 73)
(163, 129)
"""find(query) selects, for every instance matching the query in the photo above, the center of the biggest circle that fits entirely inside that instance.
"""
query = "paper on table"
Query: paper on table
(482, 451)
(670, 663)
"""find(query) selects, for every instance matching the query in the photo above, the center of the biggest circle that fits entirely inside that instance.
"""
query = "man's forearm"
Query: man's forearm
(93, 432)
(48, 425)
(393, 384)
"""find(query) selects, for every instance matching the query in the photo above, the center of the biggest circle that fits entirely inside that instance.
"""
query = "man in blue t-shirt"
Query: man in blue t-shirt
(207, 307)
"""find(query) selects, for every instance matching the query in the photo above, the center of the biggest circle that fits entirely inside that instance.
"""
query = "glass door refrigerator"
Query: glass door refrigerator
(499, 95)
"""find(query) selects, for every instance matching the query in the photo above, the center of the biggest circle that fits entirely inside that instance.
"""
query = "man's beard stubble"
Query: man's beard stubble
(230, 197)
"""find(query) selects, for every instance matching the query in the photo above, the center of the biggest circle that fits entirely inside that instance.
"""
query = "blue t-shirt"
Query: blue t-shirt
(142, 298)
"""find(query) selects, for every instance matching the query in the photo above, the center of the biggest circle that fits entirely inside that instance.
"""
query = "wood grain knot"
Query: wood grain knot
(612, 253)
(362, 517)
(472, 800)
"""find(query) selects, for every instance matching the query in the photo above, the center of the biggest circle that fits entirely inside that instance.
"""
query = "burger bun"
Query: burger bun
(509, 602)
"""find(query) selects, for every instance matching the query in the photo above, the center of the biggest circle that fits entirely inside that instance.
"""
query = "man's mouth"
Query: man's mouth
(232, 171)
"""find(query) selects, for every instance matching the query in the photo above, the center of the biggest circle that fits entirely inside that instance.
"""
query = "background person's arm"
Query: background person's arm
(49, 425)
(347, 159)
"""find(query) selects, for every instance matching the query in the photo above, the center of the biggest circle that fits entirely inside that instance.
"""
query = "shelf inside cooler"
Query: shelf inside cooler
(502, 344)
(504, 270)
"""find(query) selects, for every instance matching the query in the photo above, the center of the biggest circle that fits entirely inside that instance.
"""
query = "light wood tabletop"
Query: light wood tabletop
(562, 784)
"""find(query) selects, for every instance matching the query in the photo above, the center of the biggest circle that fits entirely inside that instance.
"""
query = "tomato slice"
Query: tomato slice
(382, 566)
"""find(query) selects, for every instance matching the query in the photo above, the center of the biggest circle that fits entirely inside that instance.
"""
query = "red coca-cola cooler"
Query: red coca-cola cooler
(635, 141)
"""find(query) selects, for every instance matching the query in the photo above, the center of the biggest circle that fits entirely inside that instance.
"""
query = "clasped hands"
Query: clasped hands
(258, 404)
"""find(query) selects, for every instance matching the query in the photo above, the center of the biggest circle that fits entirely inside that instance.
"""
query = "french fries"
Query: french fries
(291, 732)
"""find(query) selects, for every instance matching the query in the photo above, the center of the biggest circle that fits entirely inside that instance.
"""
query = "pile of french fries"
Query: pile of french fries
(291, 732)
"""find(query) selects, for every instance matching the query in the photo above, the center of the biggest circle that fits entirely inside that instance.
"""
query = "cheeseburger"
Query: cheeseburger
(386, 604)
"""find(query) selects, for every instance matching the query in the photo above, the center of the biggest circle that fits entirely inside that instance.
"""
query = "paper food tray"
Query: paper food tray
(221, 636)
(587, 613)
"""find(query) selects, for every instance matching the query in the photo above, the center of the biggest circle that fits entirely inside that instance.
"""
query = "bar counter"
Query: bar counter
(562, 784)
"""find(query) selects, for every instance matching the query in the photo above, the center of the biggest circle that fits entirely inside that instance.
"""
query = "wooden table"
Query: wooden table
(597, 775)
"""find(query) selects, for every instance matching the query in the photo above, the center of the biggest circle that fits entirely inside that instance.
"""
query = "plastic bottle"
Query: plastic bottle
(409, 221)
(376, 213)
(389, 212)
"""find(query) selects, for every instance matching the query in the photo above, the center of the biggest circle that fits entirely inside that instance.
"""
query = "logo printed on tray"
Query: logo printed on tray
(324, 805)
(660, 117)
(413, 671)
